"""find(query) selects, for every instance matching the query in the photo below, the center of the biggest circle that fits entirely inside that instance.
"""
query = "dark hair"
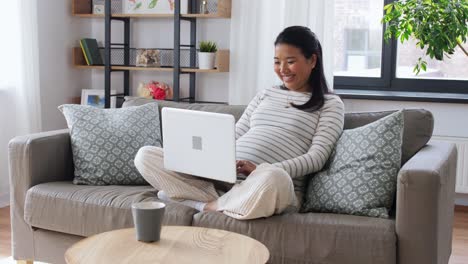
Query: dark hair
(306, 40)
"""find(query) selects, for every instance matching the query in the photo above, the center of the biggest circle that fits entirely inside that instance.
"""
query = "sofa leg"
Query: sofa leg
(24, 261)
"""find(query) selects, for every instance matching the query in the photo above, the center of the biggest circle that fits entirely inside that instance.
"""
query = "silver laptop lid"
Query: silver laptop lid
(199, 143)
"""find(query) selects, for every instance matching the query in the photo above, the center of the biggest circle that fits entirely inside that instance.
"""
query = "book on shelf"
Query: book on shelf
(91, 51)
(84, 53)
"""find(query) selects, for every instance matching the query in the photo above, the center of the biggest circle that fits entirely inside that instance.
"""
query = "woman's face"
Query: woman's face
(293, 68)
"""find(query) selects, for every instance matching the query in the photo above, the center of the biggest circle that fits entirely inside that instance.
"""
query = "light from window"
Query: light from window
(453, 68)
(358, 38)
(10, 44)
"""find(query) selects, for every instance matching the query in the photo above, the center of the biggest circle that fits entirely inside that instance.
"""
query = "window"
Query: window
(455, 68)
(364, 61)
(361, 54)
(358, 38)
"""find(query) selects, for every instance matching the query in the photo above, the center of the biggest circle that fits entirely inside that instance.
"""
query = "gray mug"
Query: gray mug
(147, 218)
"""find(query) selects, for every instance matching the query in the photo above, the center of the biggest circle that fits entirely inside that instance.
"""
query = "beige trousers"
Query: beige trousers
(266, 191)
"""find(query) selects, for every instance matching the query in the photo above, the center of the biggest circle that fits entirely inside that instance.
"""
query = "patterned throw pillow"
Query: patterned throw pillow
(105, 141)
(361, 174)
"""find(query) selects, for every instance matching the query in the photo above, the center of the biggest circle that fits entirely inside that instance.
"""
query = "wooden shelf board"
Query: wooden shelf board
(144, 15)
(199, 70)
(151, 15)
(204, 16)
(83, 8)
(89, 67)
(89, 15)
(222, 64)
(134, 68)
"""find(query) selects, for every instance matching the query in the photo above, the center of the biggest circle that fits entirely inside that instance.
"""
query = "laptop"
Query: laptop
(199, 143)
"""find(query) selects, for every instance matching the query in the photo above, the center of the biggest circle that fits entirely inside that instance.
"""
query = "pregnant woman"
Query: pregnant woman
(286, 133)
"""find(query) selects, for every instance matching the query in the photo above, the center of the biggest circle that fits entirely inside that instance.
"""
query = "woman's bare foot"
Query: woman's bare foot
(211, 206)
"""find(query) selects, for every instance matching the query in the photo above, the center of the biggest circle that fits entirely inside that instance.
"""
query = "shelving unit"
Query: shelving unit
(83, 9)
(222, 65)
(153, 15)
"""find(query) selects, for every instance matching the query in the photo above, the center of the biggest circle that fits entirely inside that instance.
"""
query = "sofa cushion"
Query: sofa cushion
(419, 124)
(314, 237)
(86, 210)
(235, 110)
(360, 176)
(105, 142)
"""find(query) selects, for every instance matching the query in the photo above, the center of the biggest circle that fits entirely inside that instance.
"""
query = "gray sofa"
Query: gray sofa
(49, 213)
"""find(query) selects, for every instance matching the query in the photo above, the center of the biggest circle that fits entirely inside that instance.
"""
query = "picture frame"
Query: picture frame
(153, 6)
(94, 97)
(98, 9)
(99, 5)
(148, 58)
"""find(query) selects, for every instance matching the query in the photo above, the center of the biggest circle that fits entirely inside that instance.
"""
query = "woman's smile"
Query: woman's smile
(293, 68)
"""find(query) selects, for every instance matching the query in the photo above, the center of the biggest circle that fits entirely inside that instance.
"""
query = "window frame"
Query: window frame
(388, 82)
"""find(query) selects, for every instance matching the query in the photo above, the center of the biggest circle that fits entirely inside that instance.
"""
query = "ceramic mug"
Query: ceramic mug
(147, 218)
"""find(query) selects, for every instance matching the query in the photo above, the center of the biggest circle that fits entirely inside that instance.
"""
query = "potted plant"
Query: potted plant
(439, 26)
(207, 55)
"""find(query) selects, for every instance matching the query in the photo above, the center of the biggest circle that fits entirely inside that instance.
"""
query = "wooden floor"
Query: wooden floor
(460, 237)
(5, 233)
(459, 247)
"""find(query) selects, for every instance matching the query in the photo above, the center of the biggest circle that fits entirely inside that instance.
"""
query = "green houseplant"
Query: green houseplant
(437, 25)
(208, 46)
(207, 55)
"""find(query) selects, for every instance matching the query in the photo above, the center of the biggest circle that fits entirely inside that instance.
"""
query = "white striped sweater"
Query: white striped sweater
(272, 131)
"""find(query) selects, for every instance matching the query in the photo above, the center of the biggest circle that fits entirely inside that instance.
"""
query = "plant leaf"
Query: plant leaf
(137, 6)
(152, 4)
(438, 26)
(423, 66)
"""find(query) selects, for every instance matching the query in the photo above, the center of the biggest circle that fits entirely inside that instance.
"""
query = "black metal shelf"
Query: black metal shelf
(128, 54)
(166, 56)
(182, 59)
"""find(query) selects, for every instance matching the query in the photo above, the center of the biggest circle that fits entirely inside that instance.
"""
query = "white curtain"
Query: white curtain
(28, 89)
(254, 27)
(20, 111)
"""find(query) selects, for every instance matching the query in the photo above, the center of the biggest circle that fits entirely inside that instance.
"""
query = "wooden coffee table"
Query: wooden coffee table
(178, 244)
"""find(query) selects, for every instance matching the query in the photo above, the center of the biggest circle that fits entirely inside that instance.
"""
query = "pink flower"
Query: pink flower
(158, 90)
(159, 94)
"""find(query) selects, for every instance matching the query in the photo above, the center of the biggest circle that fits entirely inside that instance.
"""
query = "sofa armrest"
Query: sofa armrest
(34, 159)
(425, 205)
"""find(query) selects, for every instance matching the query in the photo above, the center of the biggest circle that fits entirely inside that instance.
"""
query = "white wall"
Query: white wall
(449, 119)
(59, 81)
(158, 33)
(461, 199)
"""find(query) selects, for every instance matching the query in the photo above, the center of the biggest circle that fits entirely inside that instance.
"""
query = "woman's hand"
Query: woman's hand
(245, 167)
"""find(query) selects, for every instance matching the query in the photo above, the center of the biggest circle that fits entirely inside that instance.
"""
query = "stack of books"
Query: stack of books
(91, 51)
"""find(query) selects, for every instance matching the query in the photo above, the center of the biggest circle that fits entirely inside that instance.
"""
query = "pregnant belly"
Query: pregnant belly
(270, 147)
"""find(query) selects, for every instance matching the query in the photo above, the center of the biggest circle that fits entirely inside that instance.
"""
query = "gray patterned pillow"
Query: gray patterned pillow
(360, 177)
(105, 141)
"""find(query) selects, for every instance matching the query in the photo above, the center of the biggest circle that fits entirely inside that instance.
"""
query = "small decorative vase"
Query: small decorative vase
(206, 60)
(204, 7)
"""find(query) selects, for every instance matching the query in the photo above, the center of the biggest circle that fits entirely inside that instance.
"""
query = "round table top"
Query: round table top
(178, 244)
